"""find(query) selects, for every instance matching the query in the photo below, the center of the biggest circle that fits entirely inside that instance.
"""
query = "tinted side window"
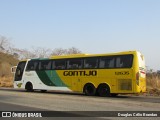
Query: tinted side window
(74, 64)
(21, 66)
(91, 63)
(59, 64)
(124, 61)
(45, 65)
(32, 65)
(107, 62)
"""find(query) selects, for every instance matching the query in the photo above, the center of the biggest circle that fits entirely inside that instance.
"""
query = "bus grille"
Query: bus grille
(124, 84)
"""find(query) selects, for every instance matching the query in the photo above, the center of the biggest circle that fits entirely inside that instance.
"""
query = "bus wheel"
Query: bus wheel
(89, 89)
(103, 90)
(29, 87)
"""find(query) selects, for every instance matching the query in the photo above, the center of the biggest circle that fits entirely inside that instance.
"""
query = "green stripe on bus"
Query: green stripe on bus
(50, 78)
(44, 78)
(55, 78)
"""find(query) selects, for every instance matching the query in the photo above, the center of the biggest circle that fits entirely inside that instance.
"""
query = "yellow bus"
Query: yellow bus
(93, 74)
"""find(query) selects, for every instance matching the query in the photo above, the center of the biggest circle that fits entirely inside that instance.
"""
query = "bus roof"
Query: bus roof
(82, 55)
(90, 55)
(24, 60)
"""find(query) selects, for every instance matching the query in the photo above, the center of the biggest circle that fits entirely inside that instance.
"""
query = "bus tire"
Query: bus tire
(29, 87)
(89, 89)
(103, 90)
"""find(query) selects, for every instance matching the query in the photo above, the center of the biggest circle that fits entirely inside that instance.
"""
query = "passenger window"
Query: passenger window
(45, 65)
(124, 61)
(91, 63)
(107, 62)
(32, 65)
(74, 64)
(59, 64)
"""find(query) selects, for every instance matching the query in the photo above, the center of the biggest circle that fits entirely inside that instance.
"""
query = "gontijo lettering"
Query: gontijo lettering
(80, 73)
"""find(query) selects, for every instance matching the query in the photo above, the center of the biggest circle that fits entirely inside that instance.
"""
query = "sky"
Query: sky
(92, 26)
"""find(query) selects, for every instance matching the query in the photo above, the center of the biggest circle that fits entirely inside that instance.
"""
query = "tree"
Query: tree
(23, 54)
(73, 50)
(61, 51)
(35, 52)
(41, 52)
(58, 51)
(4, 44)
(27, 54)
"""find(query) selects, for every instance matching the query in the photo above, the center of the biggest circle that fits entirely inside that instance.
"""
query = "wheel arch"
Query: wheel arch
(28, 83)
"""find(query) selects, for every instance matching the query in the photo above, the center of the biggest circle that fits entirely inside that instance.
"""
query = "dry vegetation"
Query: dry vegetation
(6, 81)
(153, 84)
(6, 77)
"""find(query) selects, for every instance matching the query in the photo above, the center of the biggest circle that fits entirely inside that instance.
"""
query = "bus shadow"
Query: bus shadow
(149, 99)
(79, 94)
(61, 93)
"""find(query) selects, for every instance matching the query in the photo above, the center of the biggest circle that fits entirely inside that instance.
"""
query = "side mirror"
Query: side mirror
(13, 69)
